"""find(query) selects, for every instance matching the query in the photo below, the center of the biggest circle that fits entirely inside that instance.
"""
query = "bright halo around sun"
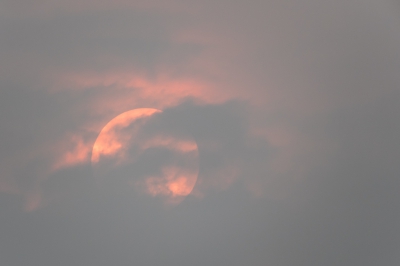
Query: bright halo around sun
(136, 152)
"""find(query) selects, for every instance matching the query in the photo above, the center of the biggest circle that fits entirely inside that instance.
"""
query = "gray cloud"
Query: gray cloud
(294, 107)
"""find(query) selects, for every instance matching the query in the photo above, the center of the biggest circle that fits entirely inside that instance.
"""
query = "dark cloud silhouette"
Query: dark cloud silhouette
(294, 108)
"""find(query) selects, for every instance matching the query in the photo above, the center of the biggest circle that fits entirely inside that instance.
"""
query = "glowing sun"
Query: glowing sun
(136, 149)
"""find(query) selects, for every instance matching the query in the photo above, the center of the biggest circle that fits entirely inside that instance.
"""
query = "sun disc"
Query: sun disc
(135, 149)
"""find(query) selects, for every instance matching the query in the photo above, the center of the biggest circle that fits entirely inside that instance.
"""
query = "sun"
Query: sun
(137, 150)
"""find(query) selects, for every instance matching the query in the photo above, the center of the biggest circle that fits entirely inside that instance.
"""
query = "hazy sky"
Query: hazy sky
(271, 135)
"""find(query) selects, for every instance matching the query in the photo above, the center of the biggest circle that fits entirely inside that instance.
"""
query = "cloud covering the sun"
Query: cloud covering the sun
(166, 60)
(285, 113)
(151, 159)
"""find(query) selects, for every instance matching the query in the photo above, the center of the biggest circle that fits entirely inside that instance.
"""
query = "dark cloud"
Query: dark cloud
(293, 106)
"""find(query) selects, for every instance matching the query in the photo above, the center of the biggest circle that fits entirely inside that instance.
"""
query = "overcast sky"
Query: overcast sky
(271, 138)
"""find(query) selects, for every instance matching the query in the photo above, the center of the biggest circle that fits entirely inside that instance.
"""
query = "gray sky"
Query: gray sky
(277, 140)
